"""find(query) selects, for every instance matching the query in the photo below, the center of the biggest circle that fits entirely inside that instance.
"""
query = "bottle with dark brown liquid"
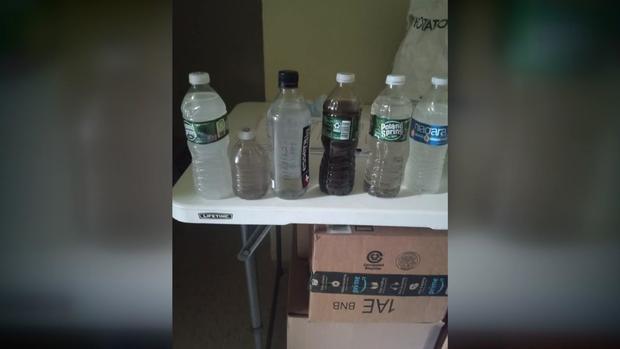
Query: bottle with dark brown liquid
(341, 116)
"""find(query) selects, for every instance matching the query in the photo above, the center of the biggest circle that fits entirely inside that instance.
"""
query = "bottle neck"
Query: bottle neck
(290, 94)
(394, 90)
(289, 91)
(200, 87)
(438, 93)
(343, 91)
(395, 87)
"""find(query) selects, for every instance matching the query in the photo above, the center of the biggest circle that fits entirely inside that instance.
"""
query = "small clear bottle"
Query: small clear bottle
(249, 164)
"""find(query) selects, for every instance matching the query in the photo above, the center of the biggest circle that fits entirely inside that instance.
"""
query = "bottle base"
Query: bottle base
(252, 197)
(334, 179)
(213, 196)
(337, 192)
(417, 190)
(290, 195)
(381, 193)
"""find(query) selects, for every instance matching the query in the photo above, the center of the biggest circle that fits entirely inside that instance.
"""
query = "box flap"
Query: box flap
(298, 293)
(383, 250)
(303, 334)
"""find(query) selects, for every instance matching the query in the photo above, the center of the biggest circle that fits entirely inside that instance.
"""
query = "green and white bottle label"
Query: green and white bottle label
(339, 128)
(207, 131)
(389, 130)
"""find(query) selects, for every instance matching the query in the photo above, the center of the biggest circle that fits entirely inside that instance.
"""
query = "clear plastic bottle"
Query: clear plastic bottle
(428, 140)
(290, 123)
(206, 128)
(389, 125)
(341, 116)
(249, 163)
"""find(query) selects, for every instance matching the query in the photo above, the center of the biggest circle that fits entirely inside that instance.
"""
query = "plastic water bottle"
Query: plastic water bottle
(206, 128)
(389, 125)
(428, 140)
(341, 117)
(290, 122)
(249, 162)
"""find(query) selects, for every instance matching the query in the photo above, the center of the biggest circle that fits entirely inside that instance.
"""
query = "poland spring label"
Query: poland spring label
(429, 134)
(338, 128)
(207, 131)
(389, 130)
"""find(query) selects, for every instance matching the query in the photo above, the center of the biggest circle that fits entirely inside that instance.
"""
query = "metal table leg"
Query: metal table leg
(276, 287)
(251, 242)
(250, 276)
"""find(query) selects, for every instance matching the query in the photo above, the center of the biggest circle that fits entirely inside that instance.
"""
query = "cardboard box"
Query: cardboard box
(304, 334)
(379, 274)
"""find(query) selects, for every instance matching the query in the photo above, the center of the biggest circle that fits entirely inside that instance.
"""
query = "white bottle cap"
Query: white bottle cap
(199, 78)
(395, 79)
(246, 134)
(345, 78)
(439, 81)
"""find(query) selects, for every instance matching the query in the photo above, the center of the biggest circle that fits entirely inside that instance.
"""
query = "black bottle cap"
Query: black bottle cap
(288, 78)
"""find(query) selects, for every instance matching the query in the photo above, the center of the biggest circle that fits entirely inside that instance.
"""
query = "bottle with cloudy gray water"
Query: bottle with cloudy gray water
(206, 128)
(389, 125)
(290, 127)
(428, 140)
(250, 167)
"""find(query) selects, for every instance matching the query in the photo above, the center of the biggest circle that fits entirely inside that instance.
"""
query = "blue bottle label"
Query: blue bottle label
(429, 134)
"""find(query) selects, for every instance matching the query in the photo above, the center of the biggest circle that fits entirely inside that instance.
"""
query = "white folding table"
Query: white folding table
(359, 208)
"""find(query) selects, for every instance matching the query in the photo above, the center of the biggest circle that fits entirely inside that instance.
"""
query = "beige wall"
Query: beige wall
(321, 37)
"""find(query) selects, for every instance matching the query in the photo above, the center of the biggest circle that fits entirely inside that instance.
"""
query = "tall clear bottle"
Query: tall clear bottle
(206, 128)
(250, 167)
(428, 140)
(290, 122)
(389, 125)
(341, 116)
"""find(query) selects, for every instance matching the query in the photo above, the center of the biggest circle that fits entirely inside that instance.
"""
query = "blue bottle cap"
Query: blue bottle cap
(288, 78)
